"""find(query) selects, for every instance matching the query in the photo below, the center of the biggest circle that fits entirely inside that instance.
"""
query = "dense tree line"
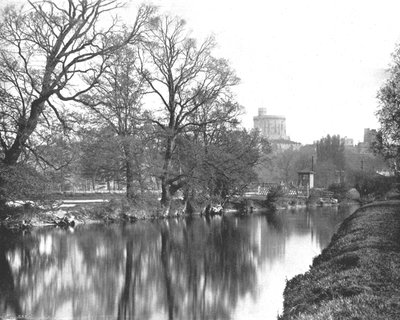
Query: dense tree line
(331, 161)
(143, 103)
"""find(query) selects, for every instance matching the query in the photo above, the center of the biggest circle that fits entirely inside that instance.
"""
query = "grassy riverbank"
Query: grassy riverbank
(357, 276)
(78, 209)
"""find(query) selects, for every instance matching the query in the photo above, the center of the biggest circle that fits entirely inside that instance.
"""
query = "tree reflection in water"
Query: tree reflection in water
(174, 269)
(9, 297)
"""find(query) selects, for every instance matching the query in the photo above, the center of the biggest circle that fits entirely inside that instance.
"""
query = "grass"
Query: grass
(117, 209)
(357, 276)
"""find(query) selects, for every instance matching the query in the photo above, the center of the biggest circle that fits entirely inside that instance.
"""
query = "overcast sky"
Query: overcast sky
(319, 63)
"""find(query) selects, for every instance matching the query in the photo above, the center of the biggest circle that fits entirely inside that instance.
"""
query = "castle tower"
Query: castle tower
(271, 127)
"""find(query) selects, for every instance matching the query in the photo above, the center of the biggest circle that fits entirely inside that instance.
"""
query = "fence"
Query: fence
(291, 191)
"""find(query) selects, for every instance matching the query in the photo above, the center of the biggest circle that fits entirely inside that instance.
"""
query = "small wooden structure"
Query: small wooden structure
(306, 178)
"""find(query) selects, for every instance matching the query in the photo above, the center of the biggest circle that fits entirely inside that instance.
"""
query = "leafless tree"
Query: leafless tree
(187, 79)
(116, 102)
(45, 49)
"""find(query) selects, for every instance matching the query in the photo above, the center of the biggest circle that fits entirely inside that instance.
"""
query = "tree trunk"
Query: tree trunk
(123, 305)
(141, 181)
(165, 255)
(129, 170)
(24, 131)
(93, 183)
(165, 184)
(130, 189)
(8, 294)
(188, 196)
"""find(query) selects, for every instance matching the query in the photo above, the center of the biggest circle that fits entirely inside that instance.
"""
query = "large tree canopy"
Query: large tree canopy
(45, 49)
(160, 103)
(116, 102)
(192, 86)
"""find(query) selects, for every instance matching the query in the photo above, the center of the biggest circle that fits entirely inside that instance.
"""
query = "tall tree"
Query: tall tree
(388, 138)
(331, 148)
(185, 77)
(45, 49)
(331, 160)
(230, 161)
(116, 101)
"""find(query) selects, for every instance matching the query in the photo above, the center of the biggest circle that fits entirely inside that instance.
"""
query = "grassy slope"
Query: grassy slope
(357, 276)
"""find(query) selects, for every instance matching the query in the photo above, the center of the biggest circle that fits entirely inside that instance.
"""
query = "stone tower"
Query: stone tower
(271, 127)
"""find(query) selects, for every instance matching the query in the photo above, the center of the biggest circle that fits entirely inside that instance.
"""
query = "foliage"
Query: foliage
(388, 148)
(388, 138)
(57, 58)
(331, 160)
(223, 167)
(230, 162)
(326, 174)
(51, 54)
(284, 166)
(273, 195)
(21, 182)
(369, 162)
(368, 184)
(331, 148)
(46, 49)
(99, 155)
(192, 87)
(339, 190)
(116, 103)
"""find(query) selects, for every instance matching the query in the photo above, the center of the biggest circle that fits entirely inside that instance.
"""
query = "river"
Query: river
(224, 268)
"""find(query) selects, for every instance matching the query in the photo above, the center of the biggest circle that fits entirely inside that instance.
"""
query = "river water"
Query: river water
(225, 268)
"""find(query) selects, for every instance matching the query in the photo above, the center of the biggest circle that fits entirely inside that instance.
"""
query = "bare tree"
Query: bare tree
(45, 49)
(116, 102)
(186, 79)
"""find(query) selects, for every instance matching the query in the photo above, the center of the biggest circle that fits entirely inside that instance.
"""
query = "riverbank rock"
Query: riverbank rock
(357, 276)
(353, 194)
(66, 221)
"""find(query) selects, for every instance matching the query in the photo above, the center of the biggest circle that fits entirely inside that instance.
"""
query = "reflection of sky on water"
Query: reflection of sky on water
(295, 258)
(289, 241)
(226, 268)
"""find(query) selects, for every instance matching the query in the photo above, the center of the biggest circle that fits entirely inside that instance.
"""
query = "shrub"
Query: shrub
(339, 190)
(21, 182)
(372, 184)
(273, 196)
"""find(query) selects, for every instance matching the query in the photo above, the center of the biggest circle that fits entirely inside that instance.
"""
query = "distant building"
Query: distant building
(348, 142)
(369, 138)
(306, 178)
(273, 128)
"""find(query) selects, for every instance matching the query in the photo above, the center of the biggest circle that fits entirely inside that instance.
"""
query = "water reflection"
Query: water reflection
(195, 269)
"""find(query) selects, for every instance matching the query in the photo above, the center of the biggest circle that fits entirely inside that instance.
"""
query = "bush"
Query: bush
(273, 196)
(339, 190)
(21, 182)
(372, 184)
